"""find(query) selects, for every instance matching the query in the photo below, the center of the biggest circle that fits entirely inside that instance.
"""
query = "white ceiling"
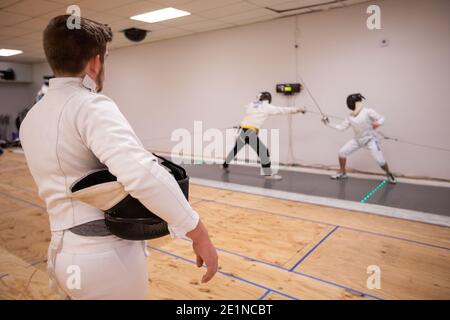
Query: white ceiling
(22, 21)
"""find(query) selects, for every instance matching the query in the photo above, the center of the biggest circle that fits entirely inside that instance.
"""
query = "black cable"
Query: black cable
(394, 139)
(414, 143)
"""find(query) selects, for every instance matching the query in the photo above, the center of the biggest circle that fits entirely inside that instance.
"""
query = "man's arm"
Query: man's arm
(107, 133)
(275, 110)
(109, 136)
(340, 127)
(377, 119)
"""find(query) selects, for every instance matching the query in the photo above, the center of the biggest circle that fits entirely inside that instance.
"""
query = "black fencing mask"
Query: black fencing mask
(353, 99)
(265, 96)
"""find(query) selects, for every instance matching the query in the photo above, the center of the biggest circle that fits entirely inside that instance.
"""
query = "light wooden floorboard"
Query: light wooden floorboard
(260, 239)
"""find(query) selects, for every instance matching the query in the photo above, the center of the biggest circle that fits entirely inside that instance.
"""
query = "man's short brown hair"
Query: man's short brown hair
(68, 50)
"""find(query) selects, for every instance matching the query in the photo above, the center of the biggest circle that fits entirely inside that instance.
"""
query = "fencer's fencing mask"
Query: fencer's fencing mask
(265, 96)
(353, 99)
(125, 216)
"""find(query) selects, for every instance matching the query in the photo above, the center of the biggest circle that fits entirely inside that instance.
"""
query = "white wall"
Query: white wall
(40, 70)
(15, 95)
(22, 71)
(167, 85)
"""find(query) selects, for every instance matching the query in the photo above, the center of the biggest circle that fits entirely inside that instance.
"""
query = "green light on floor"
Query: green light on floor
(372, 192)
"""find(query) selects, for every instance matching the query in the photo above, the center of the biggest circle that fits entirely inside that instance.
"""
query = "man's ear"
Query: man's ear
(94, 65)
(97, 64)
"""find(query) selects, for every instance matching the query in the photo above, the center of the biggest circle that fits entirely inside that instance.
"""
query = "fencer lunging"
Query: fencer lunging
(72, 131)
(256, 113)
(364, 122)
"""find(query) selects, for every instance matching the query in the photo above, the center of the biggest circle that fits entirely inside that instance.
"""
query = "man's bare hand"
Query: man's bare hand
(375, 125)
(205, 251)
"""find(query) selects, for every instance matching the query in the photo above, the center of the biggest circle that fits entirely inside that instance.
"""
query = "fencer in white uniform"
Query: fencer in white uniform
(256, 113)
(364, 122)
(71, 131)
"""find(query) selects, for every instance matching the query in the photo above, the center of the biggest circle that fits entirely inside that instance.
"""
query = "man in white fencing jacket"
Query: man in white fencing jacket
(72, 131)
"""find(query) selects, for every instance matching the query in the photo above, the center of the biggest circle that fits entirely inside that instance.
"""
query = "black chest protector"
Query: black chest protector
(127, 217)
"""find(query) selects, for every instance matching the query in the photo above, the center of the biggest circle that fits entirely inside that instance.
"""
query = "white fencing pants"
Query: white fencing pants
(372, 145)
(91, 268)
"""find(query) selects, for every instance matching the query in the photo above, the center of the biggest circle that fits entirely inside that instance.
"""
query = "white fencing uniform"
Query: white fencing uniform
(373, 145)
(257, 112)
(67, 134)
(110, 268)
(365, 135)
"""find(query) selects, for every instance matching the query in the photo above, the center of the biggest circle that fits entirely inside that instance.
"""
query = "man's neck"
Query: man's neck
(67, 75)
(358, 107)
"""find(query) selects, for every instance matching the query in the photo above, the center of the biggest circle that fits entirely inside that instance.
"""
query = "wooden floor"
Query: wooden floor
(268, 249)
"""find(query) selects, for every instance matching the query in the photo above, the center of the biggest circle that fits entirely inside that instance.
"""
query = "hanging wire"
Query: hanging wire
(298, 76)
(291, 155)
(413, 143)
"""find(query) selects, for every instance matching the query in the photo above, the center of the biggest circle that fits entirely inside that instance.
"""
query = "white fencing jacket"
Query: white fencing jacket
(361, 124)
(72, 131)
(258, 111)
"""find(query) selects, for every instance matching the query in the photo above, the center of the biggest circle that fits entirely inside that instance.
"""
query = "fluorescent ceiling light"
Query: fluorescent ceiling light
(160, 15)
(9, 52)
